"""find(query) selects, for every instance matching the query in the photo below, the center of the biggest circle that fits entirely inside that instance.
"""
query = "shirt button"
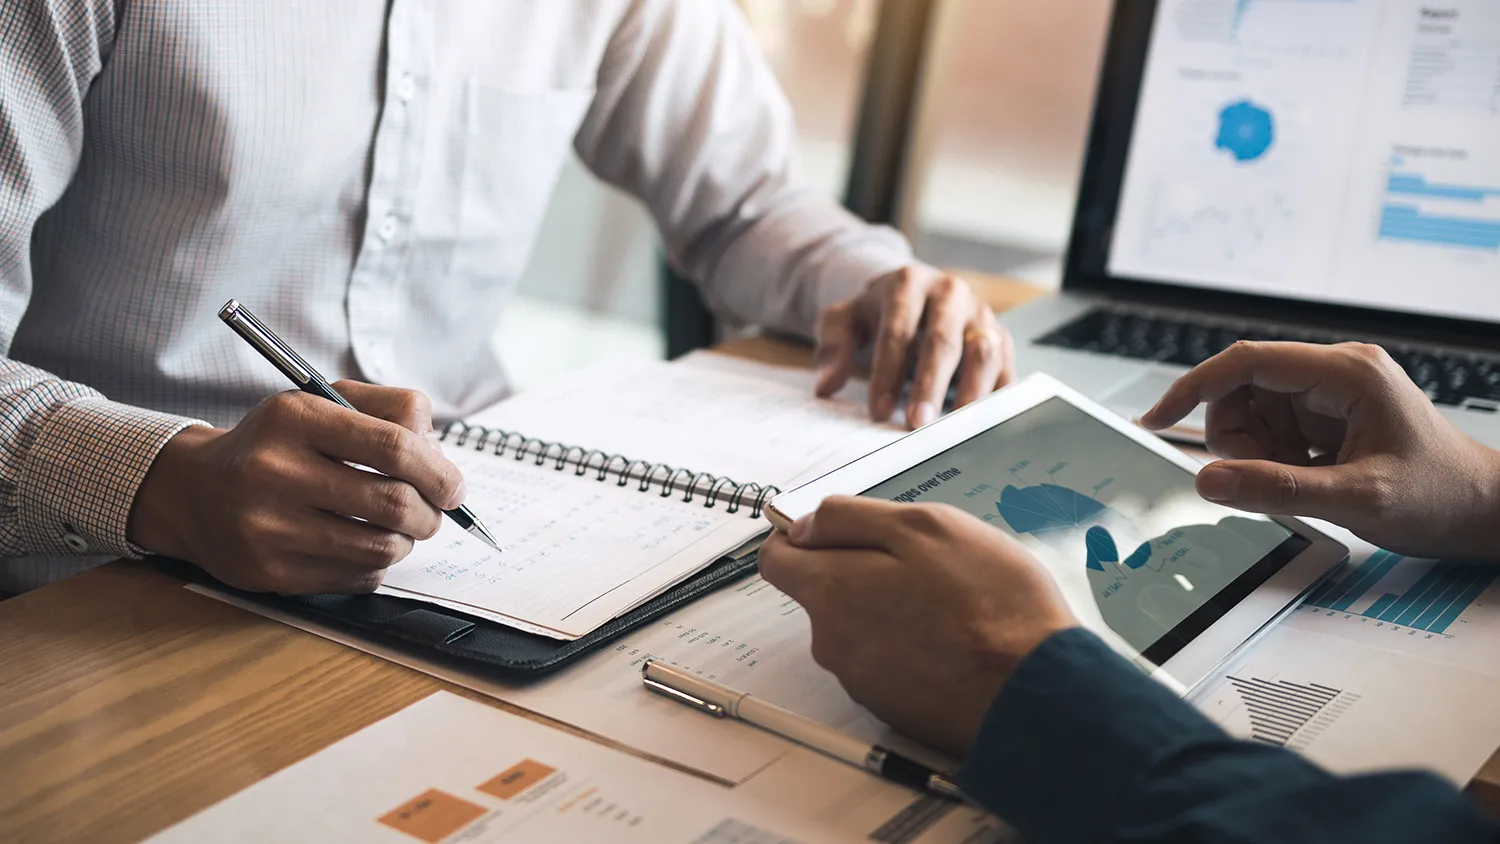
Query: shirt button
(406, 88)
(387, 228)
(76, 543)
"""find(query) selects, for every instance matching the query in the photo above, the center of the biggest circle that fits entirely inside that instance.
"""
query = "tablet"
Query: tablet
(1170, 580)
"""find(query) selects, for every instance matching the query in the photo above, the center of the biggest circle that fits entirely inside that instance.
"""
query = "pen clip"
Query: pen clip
(683, 697)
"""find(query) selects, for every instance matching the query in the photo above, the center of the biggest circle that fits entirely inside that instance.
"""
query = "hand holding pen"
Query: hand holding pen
(272, 504)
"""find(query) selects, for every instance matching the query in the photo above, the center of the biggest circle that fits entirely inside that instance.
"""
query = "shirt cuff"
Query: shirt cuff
(82, 473)
(881, 250)
(1064, 743)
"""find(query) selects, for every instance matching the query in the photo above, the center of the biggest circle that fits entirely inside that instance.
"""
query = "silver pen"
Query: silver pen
(307, 379)
(721, 701)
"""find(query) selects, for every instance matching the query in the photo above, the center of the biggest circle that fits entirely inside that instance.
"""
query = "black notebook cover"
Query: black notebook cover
(431, 631)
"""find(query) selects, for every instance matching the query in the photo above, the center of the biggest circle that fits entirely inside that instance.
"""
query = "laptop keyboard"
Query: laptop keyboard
(1449, 379)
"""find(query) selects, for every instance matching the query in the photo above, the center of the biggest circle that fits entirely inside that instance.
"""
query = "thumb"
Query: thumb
(1264, 486)
(837, 343)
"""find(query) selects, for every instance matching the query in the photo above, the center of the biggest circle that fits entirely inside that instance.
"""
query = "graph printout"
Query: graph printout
(448, 769)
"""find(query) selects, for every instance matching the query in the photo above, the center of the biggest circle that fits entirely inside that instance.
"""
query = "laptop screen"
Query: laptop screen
(1343, 151)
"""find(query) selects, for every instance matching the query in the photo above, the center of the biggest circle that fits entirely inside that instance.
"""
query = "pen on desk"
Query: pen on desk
(301, 373)
(723, 702)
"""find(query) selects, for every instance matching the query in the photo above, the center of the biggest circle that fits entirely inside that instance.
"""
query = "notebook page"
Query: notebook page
(708, 413)
(577, 551)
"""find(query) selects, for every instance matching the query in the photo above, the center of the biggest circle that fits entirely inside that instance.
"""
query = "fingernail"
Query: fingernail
(825, 379)
(800, 529)
(433, 439)
(459, 495)
(1219, 483)
(921, 413)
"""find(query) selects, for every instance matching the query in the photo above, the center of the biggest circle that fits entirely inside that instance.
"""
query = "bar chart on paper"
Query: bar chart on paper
(1278, 709)
(1339, 702)
(1434, 608)
(1433, 603)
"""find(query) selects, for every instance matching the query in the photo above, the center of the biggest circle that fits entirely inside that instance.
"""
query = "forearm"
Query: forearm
(71, 462)
(1487, 539)
(1081, 746)
(689, 118)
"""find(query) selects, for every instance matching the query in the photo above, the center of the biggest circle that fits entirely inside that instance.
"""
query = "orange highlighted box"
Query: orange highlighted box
(517, 778)
(432, 816)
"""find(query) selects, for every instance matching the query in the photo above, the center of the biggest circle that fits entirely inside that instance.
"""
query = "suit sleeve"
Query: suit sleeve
(1082, 746)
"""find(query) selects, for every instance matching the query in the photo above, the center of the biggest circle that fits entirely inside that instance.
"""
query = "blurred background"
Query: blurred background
(1000, 103)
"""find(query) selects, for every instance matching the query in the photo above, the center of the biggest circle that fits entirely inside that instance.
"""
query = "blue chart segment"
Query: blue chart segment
(1051, 511)
(1432, 604)
(1246, 130)
(1102, 549)
(1046, 507)
(1460, 223)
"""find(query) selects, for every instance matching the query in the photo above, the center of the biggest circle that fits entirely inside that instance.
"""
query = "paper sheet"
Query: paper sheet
(1441, 612)
(750, 421)
(1356, 709)
(750, 637)
(800, 781)
(448, 769)
(579, 551)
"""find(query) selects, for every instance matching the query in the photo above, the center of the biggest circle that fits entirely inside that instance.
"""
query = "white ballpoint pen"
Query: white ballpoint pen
(721, 701)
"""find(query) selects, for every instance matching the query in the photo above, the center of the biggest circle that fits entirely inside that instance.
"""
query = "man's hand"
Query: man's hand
(270, 505)
(1339, 433)
(915, 313)
(922, 611)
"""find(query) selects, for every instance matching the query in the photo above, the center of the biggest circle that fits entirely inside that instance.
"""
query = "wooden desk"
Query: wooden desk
(128, 703)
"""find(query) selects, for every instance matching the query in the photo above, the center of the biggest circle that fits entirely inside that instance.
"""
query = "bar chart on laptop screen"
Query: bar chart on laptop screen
(1430, 599)
(1448, 213)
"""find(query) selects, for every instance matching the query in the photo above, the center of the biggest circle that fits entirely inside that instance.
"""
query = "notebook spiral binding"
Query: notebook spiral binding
(668, 479)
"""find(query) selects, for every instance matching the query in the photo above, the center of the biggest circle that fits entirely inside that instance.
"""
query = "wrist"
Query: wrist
(161, 508)
(1483, 536)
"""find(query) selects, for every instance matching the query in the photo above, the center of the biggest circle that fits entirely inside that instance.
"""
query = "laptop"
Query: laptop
(1311, 170)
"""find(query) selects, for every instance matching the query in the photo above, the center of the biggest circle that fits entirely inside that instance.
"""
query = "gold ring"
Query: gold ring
(981, 336)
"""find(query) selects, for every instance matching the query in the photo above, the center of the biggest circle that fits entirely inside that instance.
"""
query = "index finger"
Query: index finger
(389, 449)
(805, 574)
(787, 567)
(848, 522)
(1278, 367)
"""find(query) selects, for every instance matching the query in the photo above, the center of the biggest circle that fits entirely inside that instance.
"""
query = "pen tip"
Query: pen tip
(484, 534)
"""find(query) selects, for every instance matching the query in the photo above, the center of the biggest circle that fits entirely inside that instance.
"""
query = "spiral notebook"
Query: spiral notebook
(642, 478)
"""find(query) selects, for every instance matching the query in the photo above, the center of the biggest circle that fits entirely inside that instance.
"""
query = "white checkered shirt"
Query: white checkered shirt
(368, 177)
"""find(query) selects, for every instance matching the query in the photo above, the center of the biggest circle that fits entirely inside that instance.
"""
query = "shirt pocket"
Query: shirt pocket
(513, 147)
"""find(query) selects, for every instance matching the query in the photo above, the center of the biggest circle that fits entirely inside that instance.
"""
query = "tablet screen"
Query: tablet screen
(1125, 533)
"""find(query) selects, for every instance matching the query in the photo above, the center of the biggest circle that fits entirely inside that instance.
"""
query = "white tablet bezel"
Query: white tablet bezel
(1239, 625)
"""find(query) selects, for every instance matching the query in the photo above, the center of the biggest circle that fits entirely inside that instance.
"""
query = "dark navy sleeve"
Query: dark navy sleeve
(1081, 746)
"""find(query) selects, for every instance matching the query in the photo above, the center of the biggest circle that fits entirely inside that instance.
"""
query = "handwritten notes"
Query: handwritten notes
(578, 550)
